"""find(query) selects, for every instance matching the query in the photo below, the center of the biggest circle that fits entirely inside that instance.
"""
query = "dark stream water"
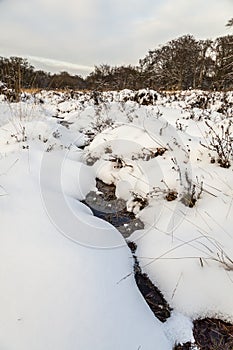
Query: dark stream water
(106, 206)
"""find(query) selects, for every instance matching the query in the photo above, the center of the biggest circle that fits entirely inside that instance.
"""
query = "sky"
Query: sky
(76, 35)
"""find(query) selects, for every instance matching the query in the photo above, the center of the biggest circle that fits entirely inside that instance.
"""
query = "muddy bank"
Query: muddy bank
(213, 334)
(210, 334)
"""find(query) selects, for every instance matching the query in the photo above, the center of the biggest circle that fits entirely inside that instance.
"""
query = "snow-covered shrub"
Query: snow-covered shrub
(221, 143)
(192, 192)
(100, 122)
(9, 94)
(142, 97)
(145, 97)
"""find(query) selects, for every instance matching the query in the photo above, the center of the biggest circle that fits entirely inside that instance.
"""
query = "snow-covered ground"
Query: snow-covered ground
(66, 276)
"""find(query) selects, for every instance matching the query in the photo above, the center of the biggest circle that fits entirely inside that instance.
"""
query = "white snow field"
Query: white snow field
(66, 276)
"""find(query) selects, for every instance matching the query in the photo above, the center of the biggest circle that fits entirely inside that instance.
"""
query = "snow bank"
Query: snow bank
(63, 270)
(55, 292)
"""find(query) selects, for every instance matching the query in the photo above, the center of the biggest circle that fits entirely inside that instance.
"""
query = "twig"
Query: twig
(174, 291)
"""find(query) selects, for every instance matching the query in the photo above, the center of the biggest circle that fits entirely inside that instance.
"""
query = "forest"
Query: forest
(180, 64)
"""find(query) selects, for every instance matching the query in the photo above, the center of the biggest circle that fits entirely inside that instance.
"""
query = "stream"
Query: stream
(209, 334)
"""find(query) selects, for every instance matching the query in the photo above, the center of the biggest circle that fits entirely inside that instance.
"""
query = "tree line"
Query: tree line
(180, 64)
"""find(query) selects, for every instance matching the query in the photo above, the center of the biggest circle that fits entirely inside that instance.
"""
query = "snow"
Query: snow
(179, 328)
(55, 293)
(66, 276)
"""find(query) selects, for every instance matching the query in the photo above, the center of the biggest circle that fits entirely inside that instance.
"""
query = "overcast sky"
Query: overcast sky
(75, 35)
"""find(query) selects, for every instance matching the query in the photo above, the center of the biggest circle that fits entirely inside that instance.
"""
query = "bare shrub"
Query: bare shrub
(192, 192)
(221, 143)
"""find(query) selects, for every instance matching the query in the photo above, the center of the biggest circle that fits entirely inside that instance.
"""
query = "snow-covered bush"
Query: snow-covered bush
(192, 192)
(221, 142)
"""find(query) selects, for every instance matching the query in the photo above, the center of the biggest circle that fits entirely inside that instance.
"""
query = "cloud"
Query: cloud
(56, 65)
(89, 32)
(203, 19)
